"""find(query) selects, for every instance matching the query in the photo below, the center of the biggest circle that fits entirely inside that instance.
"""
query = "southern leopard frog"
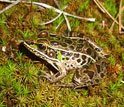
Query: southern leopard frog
(66, 53)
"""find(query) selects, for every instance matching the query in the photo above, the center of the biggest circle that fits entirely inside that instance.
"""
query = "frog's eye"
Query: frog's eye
(41, 46)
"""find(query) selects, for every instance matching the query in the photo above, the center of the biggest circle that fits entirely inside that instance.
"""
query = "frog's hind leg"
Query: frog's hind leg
(92, 75)
(88, 76)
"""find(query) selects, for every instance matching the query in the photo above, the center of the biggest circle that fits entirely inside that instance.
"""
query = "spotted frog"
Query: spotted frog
(77, 52)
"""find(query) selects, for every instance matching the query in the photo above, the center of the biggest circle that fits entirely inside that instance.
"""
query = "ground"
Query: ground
(20, 84)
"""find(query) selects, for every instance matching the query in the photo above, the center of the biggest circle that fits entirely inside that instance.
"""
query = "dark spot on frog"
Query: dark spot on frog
(83, 62)
(102, 75)
(73, 58)
(95, 54)
(54, 43)
(67, 58)
(89, 60)
(78, 60)
(98, 68)
(43, 34)
(83, 57)
(97, 80)
(72, 65)
(64, 59)
(41, 47)
(89, 51)
(68, 41)
(71, 47)
(90, 74)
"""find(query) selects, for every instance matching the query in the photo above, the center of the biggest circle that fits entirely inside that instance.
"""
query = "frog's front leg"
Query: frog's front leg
(58, 76)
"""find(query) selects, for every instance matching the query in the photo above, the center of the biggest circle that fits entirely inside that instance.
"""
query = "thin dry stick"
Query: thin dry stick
(120, 11)
(103, 8)
(112, 26)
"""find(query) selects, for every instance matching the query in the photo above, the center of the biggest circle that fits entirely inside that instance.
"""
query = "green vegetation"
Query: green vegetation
(100, 43)
(111, 6)
(84, 6)
(122, 56)
(20, 81)
(64, 3)
(28, 34)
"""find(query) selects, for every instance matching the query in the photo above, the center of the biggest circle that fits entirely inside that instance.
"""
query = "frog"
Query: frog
(75, 52)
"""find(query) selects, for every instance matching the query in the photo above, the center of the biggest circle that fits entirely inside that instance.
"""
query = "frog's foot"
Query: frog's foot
(53, 77)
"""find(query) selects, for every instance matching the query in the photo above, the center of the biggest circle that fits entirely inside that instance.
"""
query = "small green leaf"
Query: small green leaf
(112, 60)
(59, 56)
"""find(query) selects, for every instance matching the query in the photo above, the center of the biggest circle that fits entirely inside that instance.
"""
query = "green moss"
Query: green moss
(84, 6)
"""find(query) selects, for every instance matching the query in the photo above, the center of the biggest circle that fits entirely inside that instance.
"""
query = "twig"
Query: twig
(103, 8)
(51, 7)
(112, 26)
(11, 5)
(52, 19)
(99, 6)
(66, 19)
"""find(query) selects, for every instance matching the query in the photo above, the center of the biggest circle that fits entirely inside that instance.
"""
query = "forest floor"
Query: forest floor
(19, 82)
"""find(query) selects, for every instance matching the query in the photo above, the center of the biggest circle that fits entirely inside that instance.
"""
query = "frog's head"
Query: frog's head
(41, 47)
